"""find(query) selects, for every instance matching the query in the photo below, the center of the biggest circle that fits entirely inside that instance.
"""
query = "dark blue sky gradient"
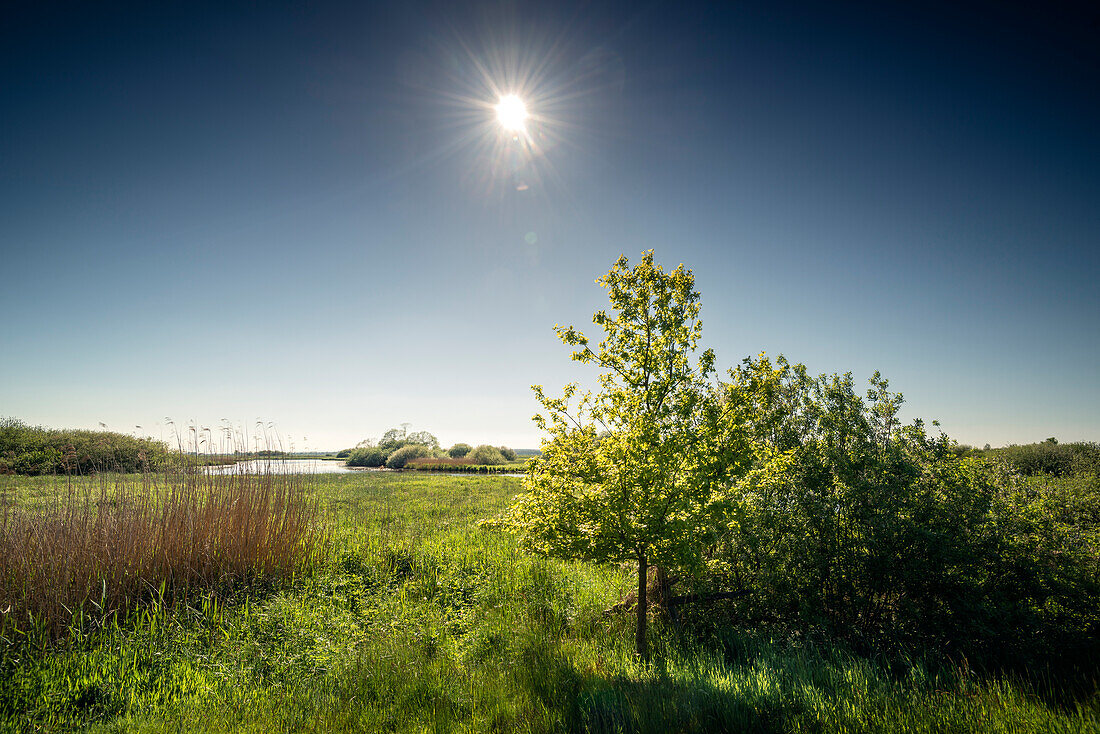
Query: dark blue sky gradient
(306, 212)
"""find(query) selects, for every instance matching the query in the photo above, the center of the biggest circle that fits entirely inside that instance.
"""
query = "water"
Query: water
(282, 466)
(312, 466)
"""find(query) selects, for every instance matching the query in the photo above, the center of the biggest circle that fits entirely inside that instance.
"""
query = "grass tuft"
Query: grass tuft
(96, 548)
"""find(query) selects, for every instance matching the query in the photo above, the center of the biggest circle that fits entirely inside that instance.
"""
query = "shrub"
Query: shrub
(343, 453)
(36, 450)
(850, 524)
(486, 455)
(507, 453)
(1039, 458)
(876, 545)
(1050, 457)
(399, 458)
(459, 450)
(372, 457)
(39, 461)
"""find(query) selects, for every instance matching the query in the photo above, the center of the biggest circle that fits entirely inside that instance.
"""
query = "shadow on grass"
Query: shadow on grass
(590, 701)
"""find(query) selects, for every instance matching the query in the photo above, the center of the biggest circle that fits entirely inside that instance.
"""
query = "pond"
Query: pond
(282, 466)
(314, 466)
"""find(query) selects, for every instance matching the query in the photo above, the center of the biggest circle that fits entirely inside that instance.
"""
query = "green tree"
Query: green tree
(424, 439)
(637, 469)
(394, 438)
(459, 450)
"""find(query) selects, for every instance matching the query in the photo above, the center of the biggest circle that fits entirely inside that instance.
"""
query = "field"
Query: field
(411, 617)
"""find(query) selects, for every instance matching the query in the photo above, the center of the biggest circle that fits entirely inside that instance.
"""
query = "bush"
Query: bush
(39, 461)
(850, 524)
(459, 450)
(372, 457)
(507, 453)
(343, 453)
(881, 546)
(486, 455)
(399, 458)
(1049, 457)
(36, 450)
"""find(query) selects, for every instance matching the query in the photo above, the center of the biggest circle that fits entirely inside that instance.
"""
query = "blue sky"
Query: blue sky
(310, 215)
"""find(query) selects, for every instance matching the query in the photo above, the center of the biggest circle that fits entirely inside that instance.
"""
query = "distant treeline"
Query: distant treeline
(36, 450)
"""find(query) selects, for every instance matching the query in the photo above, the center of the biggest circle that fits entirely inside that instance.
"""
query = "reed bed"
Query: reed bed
(436, 461)
(463, 466)
(95, 548)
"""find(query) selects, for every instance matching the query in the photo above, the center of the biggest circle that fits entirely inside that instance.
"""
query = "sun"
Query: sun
(511, 112)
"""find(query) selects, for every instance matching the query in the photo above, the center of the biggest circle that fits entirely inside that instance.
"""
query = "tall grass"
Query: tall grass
(100, 546)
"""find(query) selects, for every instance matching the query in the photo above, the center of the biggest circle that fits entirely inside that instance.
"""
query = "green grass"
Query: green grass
(421, 621)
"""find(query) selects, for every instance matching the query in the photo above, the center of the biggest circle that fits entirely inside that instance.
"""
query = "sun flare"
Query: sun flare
(511, 112)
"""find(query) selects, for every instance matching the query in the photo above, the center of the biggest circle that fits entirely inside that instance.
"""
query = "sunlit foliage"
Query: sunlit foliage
(634, 471)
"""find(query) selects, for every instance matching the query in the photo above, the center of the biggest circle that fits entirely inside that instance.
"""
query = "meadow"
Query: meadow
(405, 615)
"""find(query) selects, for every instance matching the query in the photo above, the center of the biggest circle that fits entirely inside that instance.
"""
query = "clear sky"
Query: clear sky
(307, 212)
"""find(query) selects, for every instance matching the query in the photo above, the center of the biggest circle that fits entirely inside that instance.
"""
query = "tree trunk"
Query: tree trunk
(639, 637)
(662, 586)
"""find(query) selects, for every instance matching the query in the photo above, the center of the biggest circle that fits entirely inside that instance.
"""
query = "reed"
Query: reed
(437, 461)
(464, 466)
(96, 548)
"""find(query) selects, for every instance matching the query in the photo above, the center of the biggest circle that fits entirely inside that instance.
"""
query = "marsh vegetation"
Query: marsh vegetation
(410, 617)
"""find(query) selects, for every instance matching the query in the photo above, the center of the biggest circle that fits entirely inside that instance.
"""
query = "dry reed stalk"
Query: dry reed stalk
(101, 549)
